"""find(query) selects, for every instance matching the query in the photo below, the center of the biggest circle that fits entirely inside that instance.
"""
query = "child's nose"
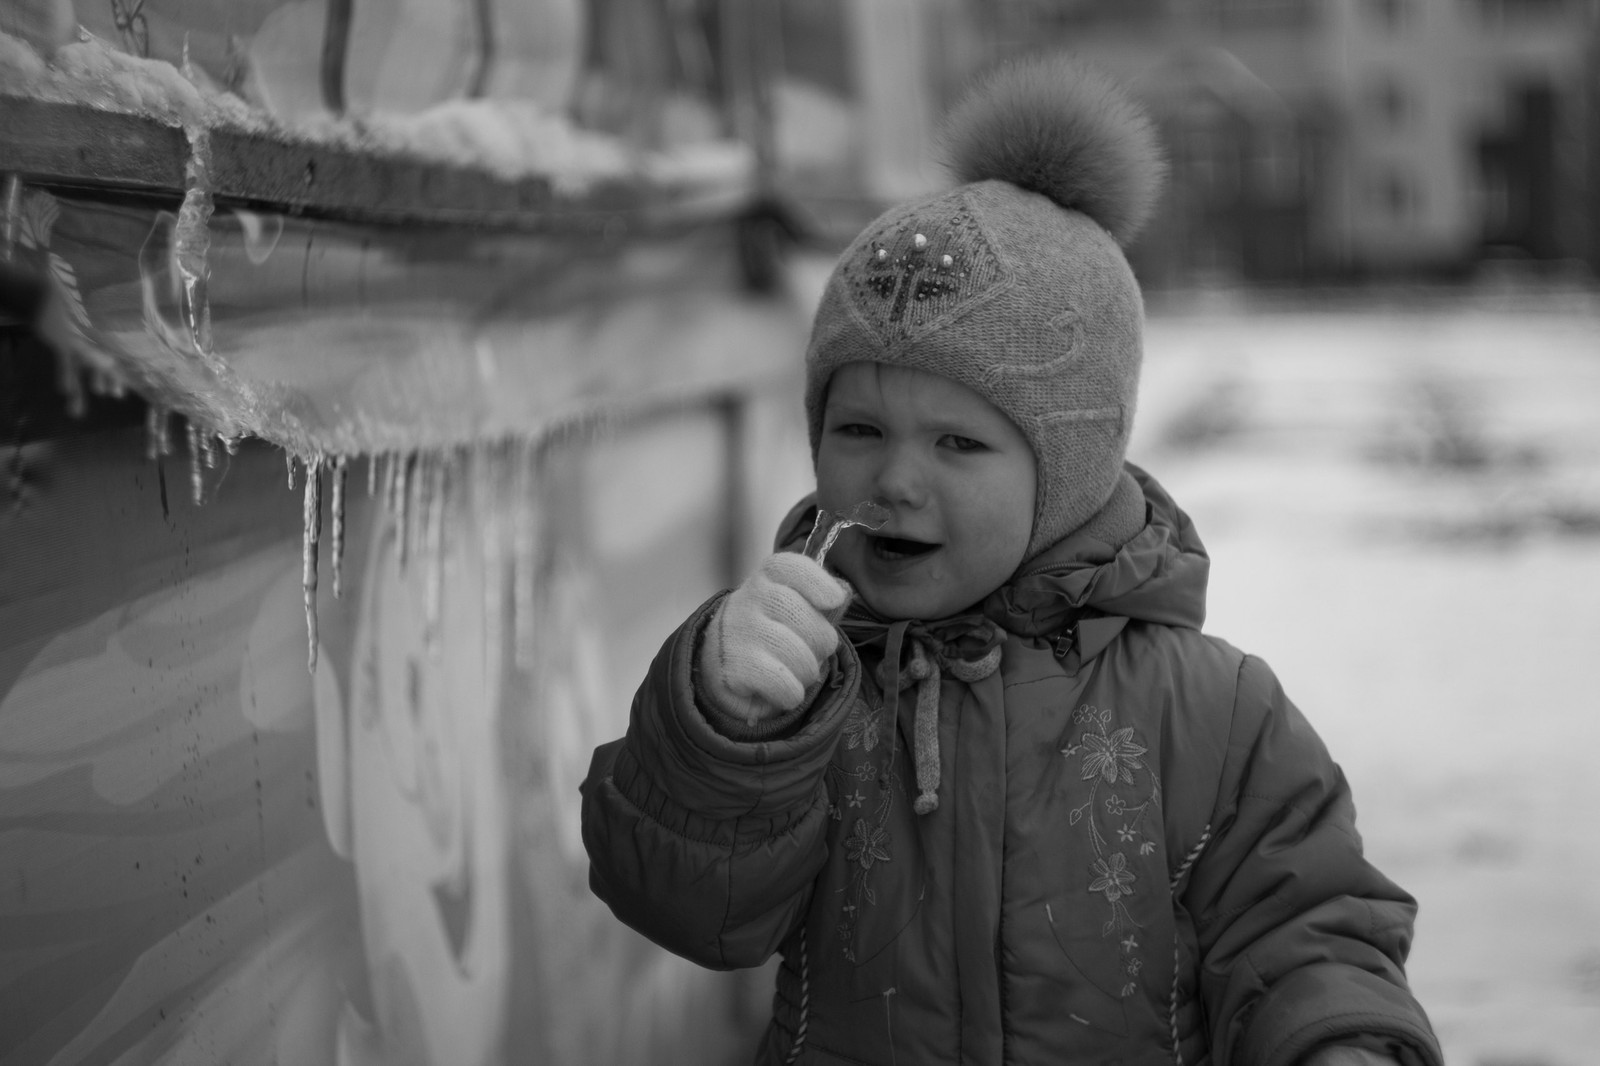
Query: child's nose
(902, 479)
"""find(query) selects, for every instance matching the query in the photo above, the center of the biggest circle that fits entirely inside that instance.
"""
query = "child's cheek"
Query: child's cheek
(844, 474)
(846, 556)
(829, 490)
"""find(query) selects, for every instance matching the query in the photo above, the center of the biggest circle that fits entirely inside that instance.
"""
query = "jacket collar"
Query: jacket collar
(1158, 575)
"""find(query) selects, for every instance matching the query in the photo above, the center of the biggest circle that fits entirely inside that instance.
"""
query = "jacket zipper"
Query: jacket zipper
(1062, 644)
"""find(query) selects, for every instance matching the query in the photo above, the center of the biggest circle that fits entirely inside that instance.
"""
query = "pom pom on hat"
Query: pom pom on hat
(1063, 130)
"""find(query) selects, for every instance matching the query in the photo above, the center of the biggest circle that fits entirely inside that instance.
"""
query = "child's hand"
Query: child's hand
(766, 645)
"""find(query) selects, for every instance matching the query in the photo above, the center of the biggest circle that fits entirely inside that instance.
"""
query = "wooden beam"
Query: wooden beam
(80, 145)
(76, 146)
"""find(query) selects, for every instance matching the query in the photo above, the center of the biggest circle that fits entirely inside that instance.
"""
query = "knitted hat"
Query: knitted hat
(1014, 283)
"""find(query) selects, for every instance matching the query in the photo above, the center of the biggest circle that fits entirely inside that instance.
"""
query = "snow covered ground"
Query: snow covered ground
(1403, 510)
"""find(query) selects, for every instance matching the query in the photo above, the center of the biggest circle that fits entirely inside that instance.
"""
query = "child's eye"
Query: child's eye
(962, 444)
(855, 429)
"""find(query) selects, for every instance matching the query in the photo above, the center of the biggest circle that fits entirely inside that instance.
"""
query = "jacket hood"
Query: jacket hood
(1157, 576)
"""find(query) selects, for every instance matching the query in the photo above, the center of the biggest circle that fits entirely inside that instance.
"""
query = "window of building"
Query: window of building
(1277, 165)
(1390, 101)
(1395, 194)
(1261, 12)
(1499, 12)
(1392, 15)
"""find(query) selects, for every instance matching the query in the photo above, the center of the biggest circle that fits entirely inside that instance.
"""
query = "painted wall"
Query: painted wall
(290, 775)
(212, 854)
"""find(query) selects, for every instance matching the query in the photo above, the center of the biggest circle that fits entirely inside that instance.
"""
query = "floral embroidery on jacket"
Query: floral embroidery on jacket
(867, 844)
(1116, 880)
(1113, 763)
(1114, 757)
(867, 789)
(863, 726)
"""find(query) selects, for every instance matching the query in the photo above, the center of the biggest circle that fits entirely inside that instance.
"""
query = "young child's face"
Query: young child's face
(956, 474)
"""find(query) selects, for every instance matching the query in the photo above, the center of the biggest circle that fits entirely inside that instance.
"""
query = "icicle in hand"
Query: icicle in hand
(830, 524)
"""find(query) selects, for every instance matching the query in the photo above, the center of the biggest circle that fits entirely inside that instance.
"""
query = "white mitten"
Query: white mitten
(768, 640)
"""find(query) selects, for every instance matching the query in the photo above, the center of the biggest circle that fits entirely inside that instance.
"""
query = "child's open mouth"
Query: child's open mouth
(895, 549)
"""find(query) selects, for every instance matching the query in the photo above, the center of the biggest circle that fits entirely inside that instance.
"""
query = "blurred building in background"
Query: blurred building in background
(1311, 140)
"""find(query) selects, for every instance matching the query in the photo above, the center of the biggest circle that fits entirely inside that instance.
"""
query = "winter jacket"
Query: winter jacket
(1141, 851)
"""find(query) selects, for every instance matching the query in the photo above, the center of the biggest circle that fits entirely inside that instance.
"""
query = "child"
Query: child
(997, 799)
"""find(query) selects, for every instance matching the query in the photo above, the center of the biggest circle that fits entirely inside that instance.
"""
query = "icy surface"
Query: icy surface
(191, 239)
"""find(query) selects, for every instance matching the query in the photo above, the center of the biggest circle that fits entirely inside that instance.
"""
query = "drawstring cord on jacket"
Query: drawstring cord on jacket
(968, 646)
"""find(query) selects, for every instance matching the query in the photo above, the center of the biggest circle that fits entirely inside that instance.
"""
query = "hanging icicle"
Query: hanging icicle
(197, 477)
(208, 450)
(426, 481)
(288, 462)
(391, 479)
(524, 516)
(311, 520)
(488, 507)
(435, 488)
(338, 525)
(402, 510)
(372, 474)
(192, 239)
(12, 215)
(155, 431)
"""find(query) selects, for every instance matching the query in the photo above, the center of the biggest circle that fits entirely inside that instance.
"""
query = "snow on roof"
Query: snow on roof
(509, 139)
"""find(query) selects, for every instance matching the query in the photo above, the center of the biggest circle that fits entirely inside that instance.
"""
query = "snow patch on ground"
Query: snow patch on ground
(1401, 510)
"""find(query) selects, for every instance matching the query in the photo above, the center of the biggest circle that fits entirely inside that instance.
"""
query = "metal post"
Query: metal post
(335, 50)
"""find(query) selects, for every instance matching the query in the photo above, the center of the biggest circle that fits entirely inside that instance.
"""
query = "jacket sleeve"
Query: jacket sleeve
(1303, 942)
(709, 845)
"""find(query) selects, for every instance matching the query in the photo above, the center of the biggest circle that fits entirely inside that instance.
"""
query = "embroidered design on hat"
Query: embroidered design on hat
(913, 274)
(914, 271)
(1068, 325)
